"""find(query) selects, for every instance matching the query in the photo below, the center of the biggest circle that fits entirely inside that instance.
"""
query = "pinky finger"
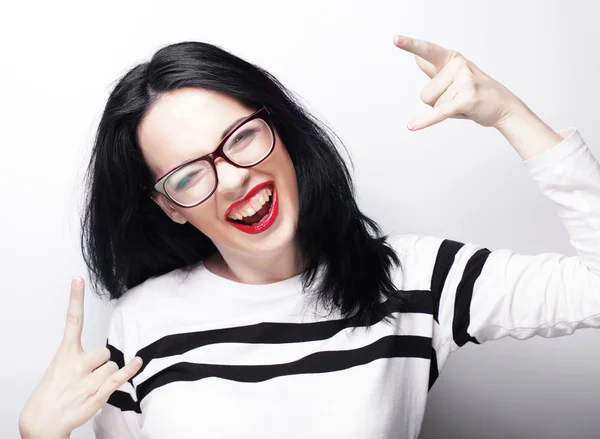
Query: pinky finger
(437, 115)
(117, 379)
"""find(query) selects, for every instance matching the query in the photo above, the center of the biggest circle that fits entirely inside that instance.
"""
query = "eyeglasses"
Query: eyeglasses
(247, 144)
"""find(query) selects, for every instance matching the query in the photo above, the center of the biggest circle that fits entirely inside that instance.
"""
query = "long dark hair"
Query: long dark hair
(126, 237)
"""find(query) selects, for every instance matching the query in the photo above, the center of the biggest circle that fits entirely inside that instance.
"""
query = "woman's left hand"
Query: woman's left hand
(458, 88)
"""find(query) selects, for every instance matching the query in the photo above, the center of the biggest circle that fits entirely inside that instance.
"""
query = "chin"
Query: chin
(274, 240)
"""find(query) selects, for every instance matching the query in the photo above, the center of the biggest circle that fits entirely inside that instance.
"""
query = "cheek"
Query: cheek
(291, 188)
(204, 217)
(284, 166)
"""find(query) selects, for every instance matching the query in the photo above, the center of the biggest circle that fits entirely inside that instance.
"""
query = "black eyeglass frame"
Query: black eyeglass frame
(262, 113)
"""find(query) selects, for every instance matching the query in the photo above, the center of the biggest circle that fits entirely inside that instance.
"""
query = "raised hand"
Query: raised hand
(458, 88)
(76, 384)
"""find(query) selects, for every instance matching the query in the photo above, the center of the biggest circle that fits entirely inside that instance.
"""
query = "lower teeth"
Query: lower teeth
(262, 218)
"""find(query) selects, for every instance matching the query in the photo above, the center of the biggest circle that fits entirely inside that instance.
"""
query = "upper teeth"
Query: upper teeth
(252, 206)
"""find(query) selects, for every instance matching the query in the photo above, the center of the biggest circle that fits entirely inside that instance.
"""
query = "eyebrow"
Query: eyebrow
(222, 135)
(232, 125)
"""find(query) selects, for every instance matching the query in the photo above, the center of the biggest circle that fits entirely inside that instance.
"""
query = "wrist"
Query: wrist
(516, 114)
(28, 433)
(526, 132)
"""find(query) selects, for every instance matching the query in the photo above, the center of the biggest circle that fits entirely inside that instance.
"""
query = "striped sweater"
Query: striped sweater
(229, 360)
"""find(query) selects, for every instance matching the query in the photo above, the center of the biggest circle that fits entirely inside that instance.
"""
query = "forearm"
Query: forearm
(527, 133)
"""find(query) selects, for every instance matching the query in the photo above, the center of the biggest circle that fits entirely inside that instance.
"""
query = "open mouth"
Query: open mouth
(259, 215)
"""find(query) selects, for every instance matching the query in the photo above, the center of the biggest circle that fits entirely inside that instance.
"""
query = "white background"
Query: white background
(459, 180)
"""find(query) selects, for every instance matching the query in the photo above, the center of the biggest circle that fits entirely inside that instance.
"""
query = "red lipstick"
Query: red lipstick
(268, 219)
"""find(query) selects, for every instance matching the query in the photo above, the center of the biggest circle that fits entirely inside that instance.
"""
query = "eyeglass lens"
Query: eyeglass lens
(247, 145)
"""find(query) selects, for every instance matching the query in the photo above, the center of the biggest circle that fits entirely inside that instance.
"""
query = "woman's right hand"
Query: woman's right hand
(76, 384)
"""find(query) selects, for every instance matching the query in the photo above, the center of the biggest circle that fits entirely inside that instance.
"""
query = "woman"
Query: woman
(219, 210)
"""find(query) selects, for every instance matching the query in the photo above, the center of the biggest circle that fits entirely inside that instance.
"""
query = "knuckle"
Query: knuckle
(72, 319)
(425, 96)
(81, 366)
(100, 395)
(85, 363)
(461, 62)
(466, 79)
(90, 389)
(471, 92)
(468, 73)
(112, 365)
(460, 57)
(113, 381)
(429, 48)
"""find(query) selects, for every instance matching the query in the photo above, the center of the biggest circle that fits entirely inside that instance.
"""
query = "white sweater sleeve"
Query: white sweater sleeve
(120, 417)
(481, 295)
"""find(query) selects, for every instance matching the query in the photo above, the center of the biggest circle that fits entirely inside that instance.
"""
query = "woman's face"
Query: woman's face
(188, 123)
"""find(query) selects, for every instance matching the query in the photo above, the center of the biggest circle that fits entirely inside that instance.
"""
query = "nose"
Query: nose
(232, 180)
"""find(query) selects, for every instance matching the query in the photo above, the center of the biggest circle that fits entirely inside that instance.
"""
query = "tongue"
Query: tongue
(251, 220)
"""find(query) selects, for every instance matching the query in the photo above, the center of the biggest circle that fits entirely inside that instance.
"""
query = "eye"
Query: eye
(243, 135)
(181, 184)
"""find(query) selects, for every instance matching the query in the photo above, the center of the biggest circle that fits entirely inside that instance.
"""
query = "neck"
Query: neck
(250, 269)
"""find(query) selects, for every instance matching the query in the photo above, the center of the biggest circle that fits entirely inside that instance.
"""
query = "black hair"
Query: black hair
(127, 238)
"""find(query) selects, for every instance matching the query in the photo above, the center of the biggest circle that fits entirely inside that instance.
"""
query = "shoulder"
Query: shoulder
(415, 244)
(417, 253)
(149, 293)
(137, 316)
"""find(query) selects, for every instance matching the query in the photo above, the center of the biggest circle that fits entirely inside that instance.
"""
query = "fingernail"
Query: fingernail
(414, 124)
(76, 282)
(139, 360)
(399, 40)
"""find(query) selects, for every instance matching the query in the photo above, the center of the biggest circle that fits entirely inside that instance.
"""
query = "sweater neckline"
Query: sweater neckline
(283, 288)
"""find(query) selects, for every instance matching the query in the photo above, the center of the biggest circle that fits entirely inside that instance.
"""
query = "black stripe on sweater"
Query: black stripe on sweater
(464, 294)
(268, 332)
(433, 369)
(443, 263)
(117, 356)
(319, 362)
(124, 401)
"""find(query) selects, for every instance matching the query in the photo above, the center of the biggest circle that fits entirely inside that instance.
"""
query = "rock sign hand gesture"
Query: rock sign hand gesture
(76, 384)
(458, 88)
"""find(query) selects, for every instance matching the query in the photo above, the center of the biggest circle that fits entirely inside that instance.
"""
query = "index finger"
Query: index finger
(436, 55)
(74, 321)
